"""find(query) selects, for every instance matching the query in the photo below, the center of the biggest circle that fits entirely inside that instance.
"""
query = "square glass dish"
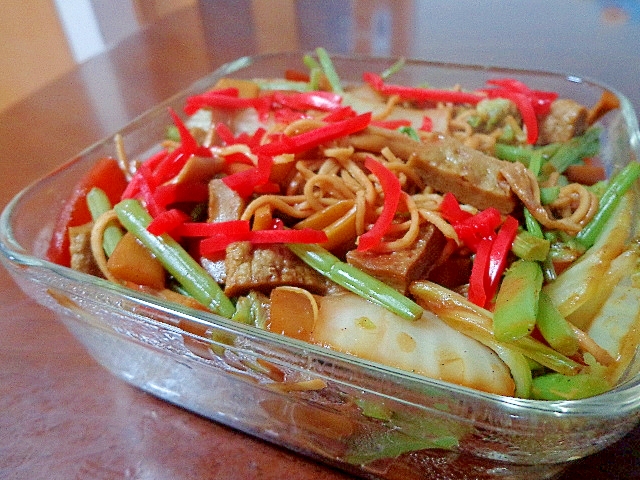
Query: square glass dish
(365, 418)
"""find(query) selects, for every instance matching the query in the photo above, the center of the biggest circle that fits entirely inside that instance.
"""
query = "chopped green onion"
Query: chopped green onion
(195, 280)
(410, 132)
(356, 280)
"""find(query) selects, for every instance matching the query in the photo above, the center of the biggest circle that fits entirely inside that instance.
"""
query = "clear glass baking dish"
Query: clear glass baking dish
(365, 418)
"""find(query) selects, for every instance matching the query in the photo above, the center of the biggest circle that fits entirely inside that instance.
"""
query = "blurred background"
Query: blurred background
(41, 40)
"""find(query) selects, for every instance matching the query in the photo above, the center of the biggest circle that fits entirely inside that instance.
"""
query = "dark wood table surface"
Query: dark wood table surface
(61, 415)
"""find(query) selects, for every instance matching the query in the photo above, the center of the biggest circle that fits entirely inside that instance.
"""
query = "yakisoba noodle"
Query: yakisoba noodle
(394, 178)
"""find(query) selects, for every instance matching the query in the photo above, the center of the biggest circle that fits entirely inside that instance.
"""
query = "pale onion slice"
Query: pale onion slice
(427, 346)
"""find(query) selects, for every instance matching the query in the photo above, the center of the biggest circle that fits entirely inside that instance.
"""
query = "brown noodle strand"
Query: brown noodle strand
(277, 203)
(392, 101)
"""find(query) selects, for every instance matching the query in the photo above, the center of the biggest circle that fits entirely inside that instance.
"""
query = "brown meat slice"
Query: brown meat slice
(566, 120)
(80, 248)
(446, 165)
(263, 267)
(224, 205)
(399, 268)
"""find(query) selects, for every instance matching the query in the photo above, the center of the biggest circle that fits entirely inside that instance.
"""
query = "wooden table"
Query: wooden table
(63, 416)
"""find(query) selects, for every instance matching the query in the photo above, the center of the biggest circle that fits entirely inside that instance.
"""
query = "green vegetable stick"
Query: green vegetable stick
(99, 203)
(554, 386)
(517, 301)
(575, 150)
(195, 280)
(356, 280)
(528, 246)
(396, 67)
(554, 328)
(618, 186)
(329, 70)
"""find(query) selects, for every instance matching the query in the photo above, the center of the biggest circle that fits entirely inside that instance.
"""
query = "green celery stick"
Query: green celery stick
(356, 280)
(554, 386)
(575, 150)
(99, 203)
(528, 246)
(554, 328)
(618, 186)
(195, 280)
(329, 70)
(517, 301)
(395, 68)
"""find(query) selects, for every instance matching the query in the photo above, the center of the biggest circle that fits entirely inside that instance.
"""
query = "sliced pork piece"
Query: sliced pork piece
(398, 269)
(224, 205)
(566, 120)
(446, 165)
(262, 268)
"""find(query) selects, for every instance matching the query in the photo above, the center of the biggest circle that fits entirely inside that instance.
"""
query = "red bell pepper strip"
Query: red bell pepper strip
(238, 157)
(268, 188)
(227, 99)
(391, 124)
(106, 175)
(145, 193)
(220, 235)
(187, 141)
(427, 124)
(304, 235)
(316, 100)
(540, 100)
(451, 211)
(167, 221)
(477, 286)
(171, 193)
(392, 191)
(211, 229)
(313, 138)
(144, 171)
(218, 243)
(478, 233)
(288, 115)
(500, 248)
(478, 227)
(525, 107)
(420, 94)
(340, 114)
(245, 181)
(224, 133)
(168, 168)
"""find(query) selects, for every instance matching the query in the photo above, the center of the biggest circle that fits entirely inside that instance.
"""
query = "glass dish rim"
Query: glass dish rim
(625, 397)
